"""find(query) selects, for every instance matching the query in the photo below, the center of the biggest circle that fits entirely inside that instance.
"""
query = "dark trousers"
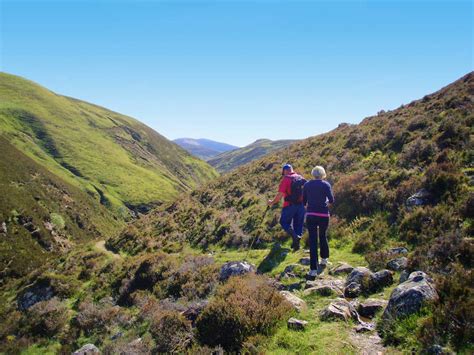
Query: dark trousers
(315, 223)
(292, 219)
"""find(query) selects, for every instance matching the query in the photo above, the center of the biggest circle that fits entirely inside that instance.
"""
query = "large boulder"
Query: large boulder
(88, 349)
(324, 287)
(398, 264)
(294, 300)
(235, 268)
(339, 310)
(381, 279)
(408, 297)
(370, 307)
(341, 269)
(362, 280)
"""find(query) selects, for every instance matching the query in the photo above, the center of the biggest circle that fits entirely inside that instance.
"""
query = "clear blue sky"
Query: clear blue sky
(236, 71)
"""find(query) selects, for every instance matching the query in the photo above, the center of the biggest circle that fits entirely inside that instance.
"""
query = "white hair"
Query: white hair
(318, 172)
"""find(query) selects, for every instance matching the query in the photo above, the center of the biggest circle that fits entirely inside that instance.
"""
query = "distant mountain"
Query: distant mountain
(204, 148)
(230, 160)
(71, 170)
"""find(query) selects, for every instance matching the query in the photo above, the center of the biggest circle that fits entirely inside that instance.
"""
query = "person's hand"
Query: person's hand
(270, 203)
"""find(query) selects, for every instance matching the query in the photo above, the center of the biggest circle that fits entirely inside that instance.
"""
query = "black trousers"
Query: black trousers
(315, 224)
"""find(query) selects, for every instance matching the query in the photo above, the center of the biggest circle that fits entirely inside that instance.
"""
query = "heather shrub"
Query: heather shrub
(452, 322)
(242, 307)
(171, 331)
(47, 318)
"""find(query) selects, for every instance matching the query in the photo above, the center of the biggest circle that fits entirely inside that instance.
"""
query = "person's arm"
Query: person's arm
(276, 199)
(330, 195)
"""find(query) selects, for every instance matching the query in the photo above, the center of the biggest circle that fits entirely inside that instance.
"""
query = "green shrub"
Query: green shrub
(242, 307)
(57, 220)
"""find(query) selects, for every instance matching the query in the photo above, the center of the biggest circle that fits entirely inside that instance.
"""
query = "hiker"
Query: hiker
(292, 213)
(317, 193)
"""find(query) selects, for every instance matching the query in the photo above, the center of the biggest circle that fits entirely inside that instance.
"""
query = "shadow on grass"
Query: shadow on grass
(274, 258)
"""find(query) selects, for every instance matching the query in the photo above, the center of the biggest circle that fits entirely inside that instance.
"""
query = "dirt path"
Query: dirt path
(100, 245)
(367, 343)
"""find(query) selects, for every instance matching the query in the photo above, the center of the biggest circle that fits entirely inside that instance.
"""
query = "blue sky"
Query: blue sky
(236, 71)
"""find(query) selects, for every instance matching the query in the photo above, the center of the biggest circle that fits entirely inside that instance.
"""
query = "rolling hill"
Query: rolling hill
(419, 152)
(230, 160)
(81, 166)
(203, 148)
(159, 285)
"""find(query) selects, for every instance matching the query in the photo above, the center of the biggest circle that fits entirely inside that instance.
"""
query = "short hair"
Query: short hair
(318, 172)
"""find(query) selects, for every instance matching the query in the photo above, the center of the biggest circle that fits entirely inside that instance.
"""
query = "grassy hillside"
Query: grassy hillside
(114, 157)
(230, 160)
(375, 167)
(157, 288)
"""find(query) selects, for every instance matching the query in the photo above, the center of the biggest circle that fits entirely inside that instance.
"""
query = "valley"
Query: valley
(208, 269)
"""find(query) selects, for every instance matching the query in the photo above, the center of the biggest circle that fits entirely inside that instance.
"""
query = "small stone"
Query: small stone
(88, 349)
(398, 264)
(340, 269)
(339, 310)
(370, 307)
(365, 327)
(293, 271)
(193, 311)
(352, 290)
(234, 268)
(294, 300)
(116, 336)
(325, 290)
(398, 251)
(3, 228)
(297, 324)
(420, 198)
(305, 261)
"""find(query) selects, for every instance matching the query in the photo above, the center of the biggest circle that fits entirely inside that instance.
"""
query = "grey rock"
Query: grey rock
(404, 276)
(370, 307)
(235, 268)
(352, 290)
(3, 228)
(294, 300)
(293, 271)
(88, 349)
(332, 282)
(360, 275)
(323, 291)
(38, 292)
(339, 310)
(398, 251)
(116, 336)
(420, 198)
(297, 324)
(365, 327)
(398, 264)
(381, 279)
(305, 261)
(408, 297)
(341, 268)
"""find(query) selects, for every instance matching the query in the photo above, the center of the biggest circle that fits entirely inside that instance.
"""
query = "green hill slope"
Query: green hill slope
(116, 158)
(228, 161)
(157, 286)
(375, 167)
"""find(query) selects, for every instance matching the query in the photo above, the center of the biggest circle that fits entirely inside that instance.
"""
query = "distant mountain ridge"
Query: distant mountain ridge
(204, 148)
(228, 161)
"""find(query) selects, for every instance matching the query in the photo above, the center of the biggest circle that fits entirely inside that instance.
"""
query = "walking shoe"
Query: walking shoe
(296, 243)
(312, 273)
(325, 261)
(321, 268)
